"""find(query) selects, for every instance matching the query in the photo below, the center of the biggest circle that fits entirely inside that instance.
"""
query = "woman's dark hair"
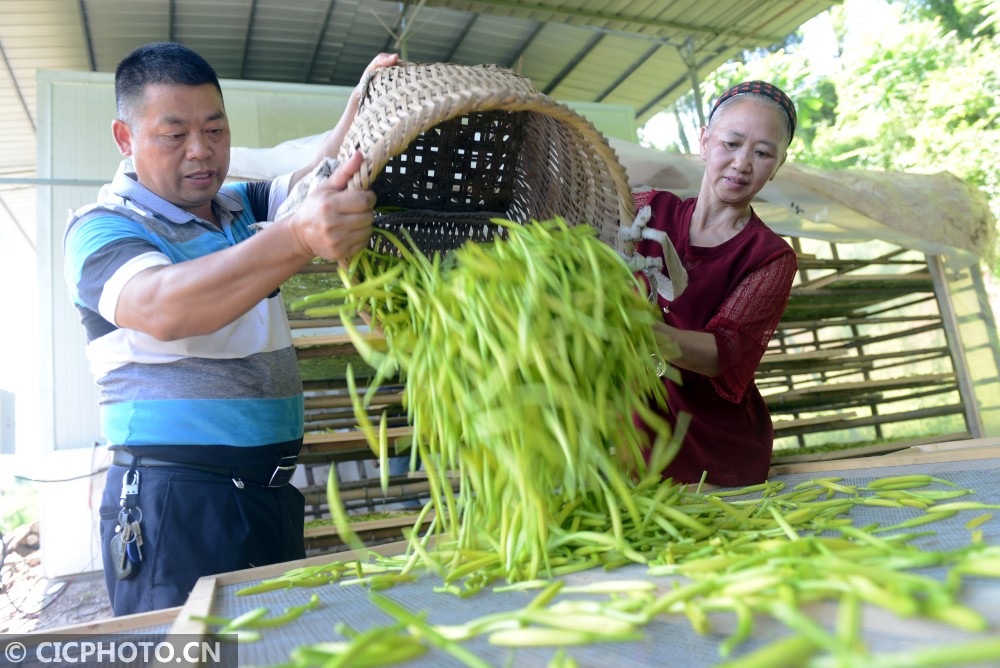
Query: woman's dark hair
(762, 92)
(158, 63)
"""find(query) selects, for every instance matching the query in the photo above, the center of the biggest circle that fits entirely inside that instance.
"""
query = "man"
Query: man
(201, 399)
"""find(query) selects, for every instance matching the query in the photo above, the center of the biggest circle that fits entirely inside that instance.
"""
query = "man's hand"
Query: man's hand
(199, 296)
(332, 222)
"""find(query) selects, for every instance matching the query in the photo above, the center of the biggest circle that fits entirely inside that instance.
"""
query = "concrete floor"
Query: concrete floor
(30, 602)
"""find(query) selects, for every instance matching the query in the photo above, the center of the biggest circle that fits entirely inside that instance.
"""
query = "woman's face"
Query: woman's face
(742, 150)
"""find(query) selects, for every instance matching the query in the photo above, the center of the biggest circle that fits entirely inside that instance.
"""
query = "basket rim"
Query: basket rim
(472, 99)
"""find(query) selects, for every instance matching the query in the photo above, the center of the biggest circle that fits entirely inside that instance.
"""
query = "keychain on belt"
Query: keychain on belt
(126, 545)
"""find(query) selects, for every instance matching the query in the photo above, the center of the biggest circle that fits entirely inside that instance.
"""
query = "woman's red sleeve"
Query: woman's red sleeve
(745, 322)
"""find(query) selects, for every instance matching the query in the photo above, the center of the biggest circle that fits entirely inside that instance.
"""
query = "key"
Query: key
(119, 557)
(134, 547)
(124, 529)
(137, 530)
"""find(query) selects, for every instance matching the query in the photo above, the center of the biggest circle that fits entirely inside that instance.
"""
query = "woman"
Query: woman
(739, 278)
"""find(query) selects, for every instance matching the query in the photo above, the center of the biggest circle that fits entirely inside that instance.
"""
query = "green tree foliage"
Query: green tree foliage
(914, 86)
(918, 99)
(965, 18)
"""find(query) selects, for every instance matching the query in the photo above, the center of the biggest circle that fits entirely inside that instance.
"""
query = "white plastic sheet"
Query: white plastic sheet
(937, 214)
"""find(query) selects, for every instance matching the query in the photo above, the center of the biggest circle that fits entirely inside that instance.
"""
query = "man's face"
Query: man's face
(179, 140)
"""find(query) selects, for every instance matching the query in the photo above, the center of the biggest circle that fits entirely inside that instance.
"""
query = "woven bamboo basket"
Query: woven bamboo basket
(449, 147)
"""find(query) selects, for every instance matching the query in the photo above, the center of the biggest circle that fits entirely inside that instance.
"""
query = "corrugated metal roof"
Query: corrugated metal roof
(612, 51)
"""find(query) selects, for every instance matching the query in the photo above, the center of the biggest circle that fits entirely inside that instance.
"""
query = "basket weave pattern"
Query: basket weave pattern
(448, 147)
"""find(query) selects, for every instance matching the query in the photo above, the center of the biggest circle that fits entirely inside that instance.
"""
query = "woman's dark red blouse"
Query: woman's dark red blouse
(737, 291)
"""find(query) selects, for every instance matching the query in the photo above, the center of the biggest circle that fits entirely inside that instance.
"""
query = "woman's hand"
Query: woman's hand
(688, 349)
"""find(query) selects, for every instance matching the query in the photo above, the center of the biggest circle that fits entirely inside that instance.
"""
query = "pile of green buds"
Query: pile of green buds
(524, 362)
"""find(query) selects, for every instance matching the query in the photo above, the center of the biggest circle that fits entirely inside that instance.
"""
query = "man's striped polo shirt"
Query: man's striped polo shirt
(202, 399)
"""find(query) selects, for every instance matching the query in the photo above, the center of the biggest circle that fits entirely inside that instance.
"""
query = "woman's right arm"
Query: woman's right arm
(699, 351)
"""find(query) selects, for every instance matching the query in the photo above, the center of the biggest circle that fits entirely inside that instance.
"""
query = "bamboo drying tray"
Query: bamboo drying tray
(448, 147)
(972, 464)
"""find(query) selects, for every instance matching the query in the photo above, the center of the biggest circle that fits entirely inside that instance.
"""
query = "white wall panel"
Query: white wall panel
(74, 145)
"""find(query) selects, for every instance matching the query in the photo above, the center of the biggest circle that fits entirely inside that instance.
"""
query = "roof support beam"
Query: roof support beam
(85, 24)
(560, 14)
(390, 39)
(655, 102)
(320, 37)
(17, 87)
(688, 56)
(573, 62)
(246, 39)
(525, 43)
(628, 72)
(17, 225)
(460, 38)
(171, 20)
(399, 35)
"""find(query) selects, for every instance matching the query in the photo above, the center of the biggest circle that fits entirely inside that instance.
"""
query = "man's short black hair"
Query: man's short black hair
(158, 63)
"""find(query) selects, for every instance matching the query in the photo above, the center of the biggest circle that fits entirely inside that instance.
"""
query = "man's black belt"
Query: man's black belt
(278, 475)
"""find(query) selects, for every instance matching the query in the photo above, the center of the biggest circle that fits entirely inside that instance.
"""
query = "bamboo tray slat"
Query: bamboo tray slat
(199, 602)
(344, 401)
(372, 492)
(823, 281)
(960, 452)
(141, 622)
(804, 356)
(402, 521)
(338, 446)
(305, 341)
(371, 532)
(867, 385)
(315, 440)
(818, 419)
(789, 456)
